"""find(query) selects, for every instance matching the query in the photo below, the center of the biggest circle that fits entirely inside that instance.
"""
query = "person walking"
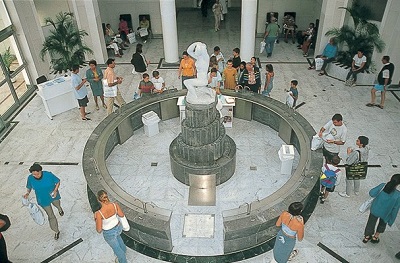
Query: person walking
(384, 207)
(94, 75)
(359, 154)
(270, 36)
(292, 227)
(113, 80)
(217, 10)
(107, 221)
(46, 186)
(138, 60)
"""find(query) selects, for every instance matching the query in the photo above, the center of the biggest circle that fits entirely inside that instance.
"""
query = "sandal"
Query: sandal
(311, 67)
(366, 239)
(86, 119)
(321, 74)
(293, 254)
(370, 104)
(61, 212)
(379, 106)
(375, 240)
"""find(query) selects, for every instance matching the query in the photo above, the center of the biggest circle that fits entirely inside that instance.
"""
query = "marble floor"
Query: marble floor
(336, 224)
(257, 148)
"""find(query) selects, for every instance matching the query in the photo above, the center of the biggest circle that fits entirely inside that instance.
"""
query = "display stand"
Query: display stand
(57, 96)
(227, 109)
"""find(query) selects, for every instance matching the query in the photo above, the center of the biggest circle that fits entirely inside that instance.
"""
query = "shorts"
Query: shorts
(328, 155)
(379, 87)
(332, 189)
(83, 102)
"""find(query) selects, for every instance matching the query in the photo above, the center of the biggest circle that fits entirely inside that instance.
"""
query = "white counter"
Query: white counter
(57, 96)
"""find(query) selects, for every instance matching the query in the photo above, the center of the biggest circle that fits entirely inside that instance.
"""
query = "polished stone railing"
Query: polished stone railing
(245, 227)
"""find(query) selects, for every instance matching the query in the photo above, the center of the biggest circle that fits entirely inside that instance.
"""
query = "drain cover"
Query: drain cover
(199, 225)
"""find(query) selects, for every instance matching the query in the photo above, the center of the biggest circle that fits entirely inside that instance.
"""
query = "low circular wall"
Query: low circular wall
(248, 228)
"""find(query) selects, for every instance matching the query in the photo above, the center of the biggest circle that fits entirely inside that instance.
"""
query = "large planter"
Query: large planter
(339, 71)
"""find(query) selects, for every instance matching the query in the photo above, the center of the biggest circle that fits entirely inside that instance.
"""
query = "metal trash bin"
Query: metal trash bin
(286, 155)
(150, 123)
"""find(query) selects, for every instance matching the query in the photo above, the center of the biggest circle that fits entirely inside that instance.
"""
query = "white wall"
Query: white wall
(50, 8)
(111, 9)
(307, 11)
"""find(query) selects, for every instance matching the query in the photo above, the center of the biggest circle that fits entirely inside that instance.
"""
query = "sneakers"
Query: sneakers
(322, 200)
(293, 254)
(344, 194)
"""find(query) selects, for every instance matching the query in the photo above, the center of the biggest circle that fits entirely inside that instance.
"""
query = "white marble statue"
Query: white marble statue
(198, 91)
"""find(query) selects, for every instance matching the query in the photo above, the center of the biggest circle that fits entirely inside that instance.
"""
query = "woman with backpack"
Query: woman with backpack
(384, 207)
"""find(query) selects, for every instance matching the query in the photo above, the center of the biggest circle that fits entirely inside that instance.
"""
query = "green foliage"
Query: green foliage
(65, 44)
(8, 58)
(365, 35)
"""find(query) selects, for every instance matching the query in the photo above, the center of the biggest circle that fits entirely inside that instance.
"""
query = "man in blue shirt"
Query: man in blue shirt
(328, 55)
(45, 184)
(80, 91)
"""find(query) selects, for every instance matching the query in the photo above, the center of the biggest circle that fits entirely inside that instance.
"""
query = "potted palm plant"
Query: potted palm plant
(8, 58)
(65, 43)
(363, 34)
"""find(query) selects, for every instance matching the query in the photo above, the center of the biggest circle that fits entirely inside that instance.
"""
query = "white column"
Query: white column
(331, 16)
(169, 30)
(87, 15)
(248, 29)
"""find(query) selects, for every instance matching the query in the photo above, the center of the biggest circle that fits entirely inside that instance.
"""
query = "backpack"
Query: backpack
(7, 220)
(328, 178)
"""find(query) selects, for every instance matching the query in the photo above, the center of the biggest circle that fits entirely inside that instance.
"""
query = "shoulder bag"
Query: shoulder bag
(357, 170)
(7, 221)
(367, 204)
(109, 92)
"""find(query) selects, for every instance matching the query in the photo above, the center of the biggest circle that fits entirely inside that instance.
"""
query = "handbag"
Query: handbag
(367, 204)
(124, 223)
(262, 47)
(143, 32)
(35, 212)
(109, 92)
(7, 222)
(357, 170)
(131, 38)
(316, 142)
(318, 63)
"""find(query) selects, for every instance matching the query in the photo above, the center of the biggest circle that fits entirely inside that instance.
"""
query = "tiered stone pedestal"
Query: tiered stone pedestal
(202, 147)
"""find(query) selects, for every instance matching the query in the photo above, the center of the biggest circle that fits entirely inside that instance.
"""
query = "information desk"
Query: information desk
(57, 96)
(227, 109)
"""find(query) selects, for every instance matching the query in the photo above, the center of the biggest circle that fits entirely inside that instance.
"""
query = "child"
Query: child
(236, 58)
(269, 80)
(146, 87)
(329, 177)
(214, 79)
(159, 84)
(219, 58)
(293, 92)
(229, 76)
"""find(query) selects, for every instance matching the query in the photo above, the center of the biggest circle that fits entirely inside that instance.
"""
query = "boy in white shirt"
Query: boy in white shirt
(158, 82)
